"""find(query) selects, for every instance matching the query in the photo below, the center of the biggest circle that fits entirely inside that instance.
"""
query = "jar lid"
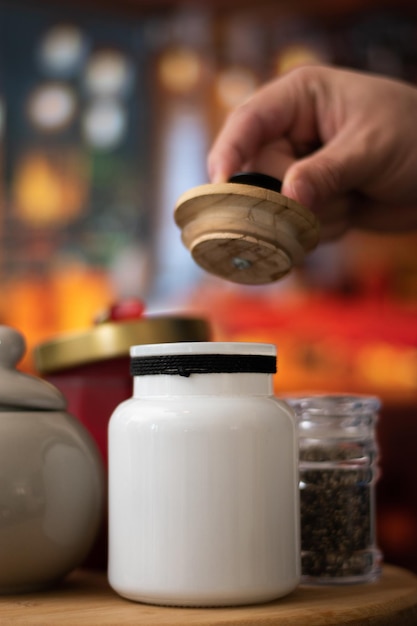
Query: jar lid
(19, 391)
(204, 347)
(113, 339)
(245, 230)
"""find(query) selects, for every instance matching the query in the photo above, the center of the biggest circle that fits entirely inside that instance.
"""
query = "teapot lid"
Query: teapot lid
(19, 390)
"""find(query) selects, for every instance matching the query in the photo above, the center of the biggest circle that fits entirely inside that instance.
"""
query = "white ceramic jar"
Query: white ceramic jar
(203, 479)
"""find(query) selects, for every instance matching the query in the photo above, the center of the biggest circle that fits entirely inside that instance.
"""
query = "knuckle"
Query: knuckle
(330, 173)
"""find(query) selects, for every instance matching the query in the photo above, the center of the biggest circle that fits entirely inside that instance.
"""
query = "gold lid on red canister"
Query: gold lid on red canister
(110, 340)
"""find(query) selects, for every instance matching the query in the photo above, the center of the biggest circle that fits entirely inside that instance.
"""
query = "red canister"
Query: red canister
(91, 369)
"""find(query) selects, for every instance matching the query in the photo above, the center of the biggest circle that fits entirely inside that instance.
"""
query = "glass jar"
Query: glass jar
(203, 479)
(338, 471)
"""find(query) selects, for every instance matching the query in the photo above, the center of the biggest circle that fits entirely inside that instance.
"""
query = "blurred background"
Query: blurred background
(107, 111)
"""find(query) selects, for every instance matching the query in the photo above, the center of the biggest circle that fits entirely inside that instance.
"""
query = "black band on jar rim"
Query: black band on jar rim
(187, 364)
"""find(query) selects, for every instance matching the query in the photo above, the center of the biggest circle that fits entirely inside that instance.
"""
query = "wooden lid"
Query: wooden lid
(244, 233)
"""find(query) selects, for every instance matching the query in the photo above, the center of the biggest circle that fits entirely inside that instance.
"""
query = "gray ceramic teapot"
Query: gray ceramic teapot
(51, 479)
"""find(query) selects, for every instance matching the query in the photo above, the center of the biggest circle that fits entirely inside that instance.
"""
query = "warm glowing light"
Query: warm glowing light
(43, 306)
(51, 107)
(297, 55)
(104, 123)
(48, 191)
(374, 365)
(108, 73)
(179, 69)
(63, 49)
(234, 85)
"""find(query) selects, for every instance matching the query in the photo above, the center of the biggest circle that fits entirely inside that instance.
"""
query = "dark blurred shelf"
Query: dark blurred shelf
(139, 7)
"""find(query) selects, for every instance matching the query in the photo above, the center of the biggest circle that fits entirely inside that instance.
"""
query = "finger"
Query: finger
(269, 115)
(337, 168)
(334, 218)
(274, 159)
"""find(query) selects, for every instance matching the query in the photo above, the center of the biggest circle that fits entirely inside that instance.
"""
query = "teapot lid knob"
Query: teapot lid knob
(19, 390)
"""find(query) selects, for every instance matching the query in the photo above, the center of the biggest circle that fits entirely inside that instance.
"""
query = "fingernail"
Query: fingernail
(217, 176)
(300, 190)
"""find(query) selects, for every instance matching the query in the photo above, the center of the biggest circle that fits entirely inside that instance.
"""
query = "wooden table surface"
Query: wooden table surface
(85, 598)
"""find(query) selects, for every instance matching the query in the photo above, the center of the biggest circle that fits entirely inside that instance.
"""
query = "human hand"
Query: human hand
(344, 144)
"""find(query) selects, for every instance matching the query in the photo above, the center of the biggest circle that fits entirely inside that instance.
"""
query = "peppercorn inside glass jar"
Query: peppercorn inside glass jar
(338, 471)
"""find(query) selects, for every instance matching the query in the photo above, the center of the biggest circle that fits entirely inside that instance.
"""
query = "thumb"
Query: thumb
(329, 172)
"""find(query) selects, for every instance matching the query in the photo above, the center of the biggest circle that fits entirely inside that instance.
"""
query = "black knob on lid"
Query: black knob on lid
(257, 180)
